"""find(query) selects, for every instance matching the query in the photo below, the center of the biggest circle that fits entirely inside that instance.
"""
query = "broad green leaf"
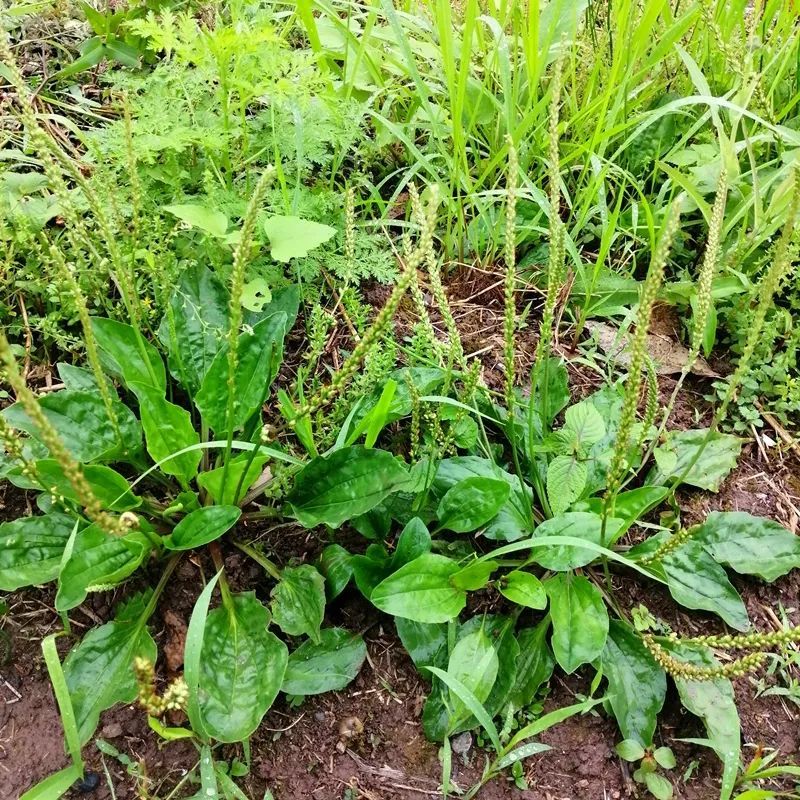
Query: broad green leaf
(584, 422)
(524, 589)
(349, 482)
(335, 565)
(292, 237)
(658, 786)
(750, 545)
(474, 664)
(199, 216)
(512, 520)
(76, 377)
(193, 329)
(471, 503)
(242, 666)
(98, 560)
(128, 356)
(630, 750)
(566, 479)
(371, 568)
(260, 353)
(201, 527)
(715, 463)
(438, 720)
(579, 524)
(327, 666)
(108, 486)
(551, 391)
(167, 429)
(414, 541)
(474, 576)
(665, 757)
(31, 549)
(243, 470)
(580, 620)
(81, 420)
(421, 590)
(426, 643)
(628, 506)
(99, 671)
(535, 664)
(500, 630)
(470, 702)
(298, 602)
(696, 581)
(374, 524)
(637, 686)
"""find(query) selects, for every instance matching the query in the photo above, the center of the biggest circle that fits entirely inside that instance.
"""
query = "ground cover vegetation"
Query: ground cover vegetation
(228, 235)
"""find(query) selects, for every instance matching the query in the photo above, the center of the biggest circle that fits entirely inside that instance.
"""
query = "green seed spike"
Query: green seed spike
(693, 672)
(510, 311)
(425, 219)
(51, 440)
(374, 334)
(638, 356)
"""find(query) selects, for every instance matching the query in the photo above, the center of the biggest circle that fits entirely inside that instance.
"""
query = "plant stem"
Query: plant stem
(259, 558)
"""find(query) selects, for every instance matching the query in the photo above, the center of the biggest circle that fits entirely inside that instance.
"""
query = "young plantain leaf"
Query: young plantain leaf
(474, 576)
(580, 620)
(579, 524)
(535, 664)
(523, 589)
(637, 686)
(473, 664)
(194, 330)
(128, 356)
(628, 506)
(260, 352)
(414, 541)
(167, 429)
(696, 581)
(471, 503)
(421, 590)
(109, 487)
(335, 565)
(511, 521)
(347, 483)
(426, 643)
(298, 602)
(241, 470)
(242, 666)
(750, 545)
(31, 549)
(202, 526)
(99, 671)
(326, 666)
(98, 559)
(81, 420)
